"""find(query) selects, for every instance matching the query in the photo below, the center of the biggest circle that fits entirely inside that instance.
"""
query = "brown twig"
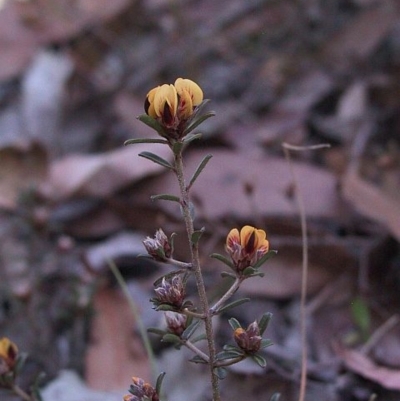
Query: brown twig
(303, 313)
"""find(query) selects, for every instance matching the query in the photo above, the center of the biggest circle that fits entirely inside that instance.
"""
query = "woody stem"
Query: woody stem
(194, 249)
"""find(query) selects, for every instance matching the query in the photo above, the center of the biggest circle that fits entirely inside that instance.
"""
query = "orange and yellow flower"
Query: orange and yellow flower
(8, 354)
(173, 104)
(247, 246)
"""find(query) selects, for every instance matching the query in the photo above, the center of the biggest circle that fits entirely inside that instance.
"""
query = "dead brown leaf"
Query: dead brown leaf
(100, 175)
(25, 25)
(362, 365)
(220, 192)
(360, 36)
(284, 272)
(114, 351)
(369, 200)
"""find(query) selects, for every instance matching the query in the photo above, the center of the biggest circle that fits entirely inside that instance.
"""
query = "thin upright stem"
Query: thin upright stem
(194, 249)
(234, 287)
(21, 393)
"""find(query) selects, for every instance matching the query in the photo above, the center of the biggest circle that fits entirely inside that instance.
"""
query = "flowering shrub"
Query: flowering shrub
(174, 111)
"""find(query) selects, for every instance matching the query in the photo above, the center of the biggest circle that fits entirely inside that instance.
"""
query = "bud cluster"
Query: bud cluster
(141, 391)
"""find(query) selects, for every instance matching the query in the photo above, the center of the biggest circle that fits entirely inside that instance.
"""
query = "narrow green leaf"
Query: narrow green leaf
(198, 110)
(199, 169)
(167, 197)
(152, 123)
(198, 359)
(189, 331)
(198, 338)
(230, 347)
(197, 121)
(196, 236)
(249, 271)
(223, 259)
(265, 342)
(165, 307)
(223, 355)
(233, 304)
(154, 330)
(275, 397)
(191, 137)
(156, 159)
(259, 360)
(228, 274)
(171, 338)
(221, 373)
(361, 315)
(35, 389)
(268, 255)
(144, 140)
(264, 321)
(159, 381)
(20, 363)
(234, 323)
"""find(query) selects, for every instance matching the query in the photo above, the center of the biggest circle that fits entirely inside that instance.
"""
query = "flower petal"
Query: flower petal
(192, 88)
(185, 105)
(245, 234)
(232, 238)
(165, 96)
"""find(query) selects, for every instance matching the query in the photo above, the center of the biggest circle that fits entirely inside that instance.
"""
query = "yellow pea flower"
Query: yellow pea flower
(247, 246)
(8, 353)
(172, 105)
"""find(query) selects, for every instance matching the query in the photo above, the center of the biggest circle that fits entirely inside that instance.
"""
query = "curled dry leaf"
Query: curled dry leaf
(372, 202)
(362, 365)
(100, 175)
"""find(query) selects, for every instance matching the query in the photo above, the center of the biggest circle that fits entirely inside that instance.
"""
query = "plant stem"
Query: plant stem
(21, 393)
(227, 295)
(194, 249)
(198, 352)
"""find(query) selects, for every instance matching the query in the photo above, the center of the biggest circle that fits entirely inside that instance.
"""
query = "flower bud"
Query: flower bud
(141, 391)
(159, 247)
(171, 292)
(248, 340)
(176, 322)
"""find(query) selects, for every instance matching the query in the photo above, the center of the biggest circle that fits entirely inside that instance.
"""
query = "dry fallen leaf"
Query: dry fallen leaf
(369, 200)
(362, 365)
(26, 25)
(284, 272)
(114, 353)
(359, 38)
(220, 191)
(101, 175)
